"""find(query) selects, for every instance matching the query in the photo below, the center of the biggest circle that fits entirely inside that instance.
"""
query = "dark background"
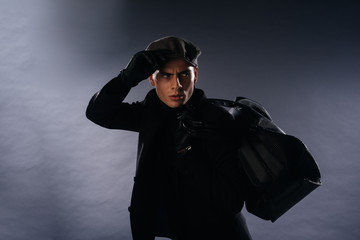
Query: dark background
(62, 177)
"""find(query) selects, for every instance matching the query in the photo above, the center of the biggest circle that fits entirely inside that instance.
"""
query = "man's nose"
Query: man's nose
(176, 84)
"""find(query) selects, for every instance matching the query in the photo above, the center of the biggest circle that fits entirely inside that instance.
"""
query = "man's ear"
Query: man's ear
(196, 74)
(151, 80)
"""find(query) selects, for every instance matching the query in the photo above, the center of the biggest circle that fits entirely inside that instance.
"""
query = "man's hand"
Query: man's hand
(142, 65)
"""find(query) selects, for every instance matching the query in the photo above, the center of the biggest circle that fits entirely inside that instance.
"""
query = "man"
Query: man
(182, 188)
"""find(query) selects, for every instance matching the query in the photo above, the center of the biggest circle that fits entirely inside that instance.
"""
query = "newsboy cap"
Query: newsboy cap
(179, 47)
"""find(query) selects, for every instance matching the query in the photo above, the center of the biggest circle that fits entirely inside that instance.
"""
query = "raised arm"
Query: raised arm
(107, 109)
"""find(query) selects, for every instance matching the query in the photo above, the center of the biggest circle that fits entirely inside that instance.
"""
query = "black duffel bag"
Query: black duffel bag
(279, 166)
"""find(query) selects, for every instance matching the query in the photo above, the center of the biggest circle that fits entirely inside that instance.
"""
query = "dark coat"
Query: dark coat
(191, 184)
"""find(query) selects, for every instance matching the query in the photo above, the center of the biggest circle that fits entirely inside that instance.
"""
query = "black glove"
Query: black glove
(142, 65)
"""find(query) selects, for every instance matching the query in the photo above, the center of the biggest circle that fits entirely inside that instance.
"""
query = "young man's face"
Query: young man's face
(174, 82)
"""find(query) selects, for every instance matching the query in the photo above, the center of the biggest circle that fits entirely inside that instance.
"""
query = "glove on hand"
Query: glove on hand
(142, 65)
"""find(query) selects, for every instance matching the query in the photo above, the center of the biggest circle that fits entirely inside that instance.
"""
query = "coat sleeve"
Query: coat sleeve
(108, 109)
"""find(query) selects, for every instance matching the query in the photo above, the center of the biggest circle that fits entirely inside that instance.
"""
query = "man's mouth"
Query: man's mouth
(177, 97)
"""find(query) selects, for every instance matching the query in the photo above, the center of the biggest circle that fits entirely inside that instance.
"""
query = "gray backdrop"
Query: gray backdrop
(63, 177)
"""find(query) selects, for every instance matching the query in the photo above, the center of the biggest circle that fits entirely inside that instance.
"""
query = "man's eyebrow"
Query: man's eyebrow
(166, 73)
(185, 71)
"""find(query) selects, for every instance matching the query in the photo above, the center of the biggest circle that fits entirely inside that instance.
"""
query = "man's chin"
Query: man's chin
(173, 104)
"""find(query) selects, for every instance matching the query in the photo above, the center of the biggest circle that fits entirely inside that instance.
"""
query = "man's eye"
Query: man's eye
(185, 74)
(164, 75)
